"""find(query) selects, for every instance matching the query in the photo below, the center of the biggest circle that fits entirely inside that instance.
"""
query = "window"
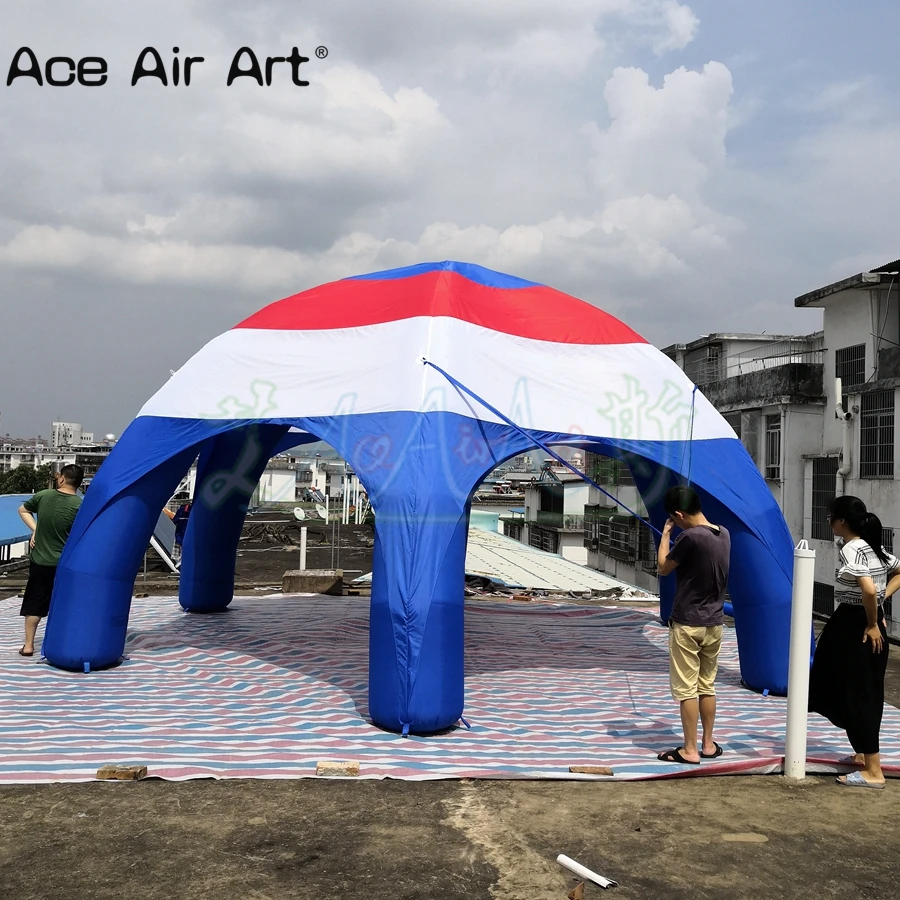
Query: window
(647, 549)
(703, 366)
(773, 447)
(513, 531)
(623, 538)
(876, 435)
(850, 365)
(603, 534)
(823, 598)
(543, 539)
(751, 424)
(591, 526)
(611, 472)
(824, 472)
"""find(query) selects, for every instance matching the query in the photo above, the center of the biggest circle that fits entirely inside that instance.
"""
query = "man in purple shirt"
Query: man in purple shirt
(700, 558)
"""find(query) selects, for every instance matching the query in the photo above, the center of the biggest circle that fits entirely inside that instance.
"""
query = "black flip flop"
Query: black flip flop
(715, 755)
(23, 653)
(676, 757)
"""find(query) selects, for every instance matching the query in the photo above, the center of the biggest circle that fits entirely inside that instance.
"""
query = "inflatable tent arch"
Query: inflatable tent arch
(386, 369)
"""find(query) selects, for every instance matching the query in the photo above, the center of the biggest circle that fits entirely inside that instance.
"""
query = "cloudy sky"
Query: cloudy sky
(688, 167)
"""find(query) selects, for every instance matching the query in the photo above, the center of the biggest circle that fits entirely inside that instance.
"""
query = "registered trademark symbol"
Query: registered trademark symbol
(321, 52)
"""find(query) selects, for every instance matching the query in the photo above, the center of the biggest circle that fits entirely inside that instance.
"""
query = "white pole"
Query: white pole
(345, 506)
(303, 549)
(798, 667)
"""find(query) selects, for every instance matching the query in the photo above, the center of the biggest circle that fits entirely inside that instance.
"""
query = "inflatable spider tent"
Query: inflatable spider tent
(424, 379)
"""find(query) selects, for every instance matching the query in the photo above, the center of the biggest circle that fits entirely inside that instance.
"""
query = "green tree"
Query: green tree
(25, 480)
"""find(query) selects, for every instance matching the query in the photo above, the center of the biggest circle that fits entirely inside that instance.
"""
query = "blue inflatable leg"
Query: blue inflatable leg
(227, 474)
(95, 579)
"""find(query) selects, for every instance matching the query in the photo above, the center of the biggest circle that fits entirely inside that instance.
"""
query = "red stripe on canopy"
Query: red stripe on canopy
(539, 313)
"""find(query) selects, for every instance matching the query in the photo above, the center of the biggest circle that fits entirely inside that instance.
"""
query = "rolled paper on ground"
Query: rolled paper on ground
(585, 873)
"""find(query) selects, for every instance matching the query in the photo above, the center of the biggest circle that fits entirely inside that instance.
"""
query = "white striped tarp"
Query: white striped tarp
(274, 685)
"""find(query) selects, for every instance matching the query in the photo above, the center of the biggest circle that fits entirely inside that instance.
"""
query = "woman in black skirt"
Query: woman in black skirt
(847, 679)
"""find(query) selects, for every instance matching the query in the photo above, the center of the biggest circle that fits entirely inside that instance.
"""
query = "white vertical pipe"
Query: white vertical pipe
(303, 549)
(798, 667)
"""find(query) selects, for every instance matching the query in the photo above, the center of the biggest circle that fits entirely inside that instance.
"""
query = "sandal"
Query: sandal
(714, 755)
(23, 653)
(855, 779)
(675, 756)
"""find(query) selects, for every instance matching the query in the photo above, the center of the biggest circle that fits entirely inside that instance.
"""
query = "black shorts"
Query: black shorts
(38, 590)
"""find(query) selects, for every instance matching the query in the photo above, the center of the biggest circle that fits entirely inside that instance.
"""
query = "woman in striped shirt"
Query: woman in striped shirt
(847, 678)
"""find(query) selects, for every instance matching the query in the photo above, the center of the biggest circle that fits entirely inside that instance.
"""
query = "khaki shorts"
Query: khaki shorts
(693, 660)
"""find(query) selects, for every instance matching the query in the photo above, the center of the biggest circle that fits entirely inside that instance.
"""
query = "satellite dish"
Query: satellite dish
(299, 513)
(322, 511)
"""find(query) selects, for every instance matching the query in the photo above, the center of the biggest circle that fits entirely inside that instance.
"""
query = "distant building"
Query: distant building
(15, 454)
(69, 434)
(552, 518)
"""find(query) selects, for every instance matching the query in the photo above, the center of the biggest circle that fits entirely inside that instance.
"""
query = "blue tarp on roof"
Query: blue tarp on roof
(12, 529)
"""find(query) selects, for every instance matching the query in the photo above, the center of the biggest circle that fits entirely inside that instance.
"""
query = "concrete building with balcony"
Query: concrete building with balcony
(858, 454)
(770, 388)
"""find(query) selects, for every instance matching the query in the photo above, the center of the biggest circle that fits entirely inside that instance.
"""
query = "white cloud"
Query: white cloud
(666, 139)
(357, 131)
(635, 236)
(680, 27)
(433, 131)
(648, 218)
(152, 225)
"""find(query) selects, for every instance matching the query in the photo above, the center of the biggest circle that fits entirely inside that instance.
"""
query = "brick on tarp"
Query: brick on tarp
(346, 769)
(121, 773)
(313, 581)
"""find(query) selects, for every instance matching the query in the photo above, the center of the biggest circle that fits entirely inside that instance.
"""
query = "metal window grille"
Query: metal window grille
(543, 539)
(704, 366)
(876, 435)
(512, 531)
(603, 534)
(611, 472)
(824, 472)
(591, 525)
(623, 538)
(850, 365)
(773, 447)
(647, 549)
(823, 598)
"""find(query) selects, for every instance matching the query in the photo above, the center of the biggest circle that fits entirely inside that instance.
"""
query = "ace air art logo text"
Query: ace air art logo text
(177, 70)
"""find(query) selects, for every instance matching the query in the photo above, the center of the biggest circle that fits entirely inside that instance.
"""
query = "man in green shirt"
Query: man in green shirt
(55, 510)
